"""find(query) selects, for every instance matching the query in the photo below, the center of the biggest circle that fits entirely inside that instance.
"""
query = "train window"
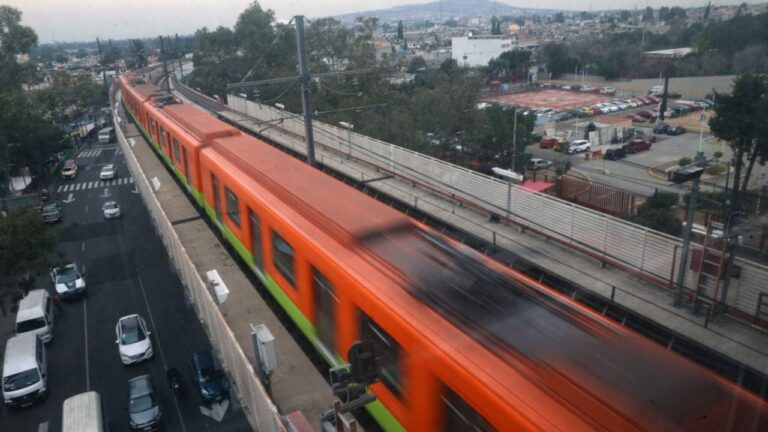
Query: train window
(176, 152)
(256, 246)
(162, 136)
(233, 206)
(283, 258)
(461, 417)
(325, 302)
(216, 197)
(388, 353)
(186, 163)
(151, 125)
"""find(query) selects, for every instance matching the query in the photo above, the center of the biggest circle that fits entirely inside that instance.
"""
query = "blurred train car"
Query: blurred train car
(463, 343)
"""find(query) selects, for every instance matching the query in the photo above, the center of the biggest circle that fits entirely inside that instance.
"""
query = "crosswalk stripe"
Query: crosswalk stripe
(77, 186)
(130, 179)
(91, 184)
(60, 188)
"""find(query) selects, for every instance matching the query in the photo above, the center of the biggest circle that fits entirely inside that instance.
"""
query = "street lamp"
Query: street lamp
(729, 236)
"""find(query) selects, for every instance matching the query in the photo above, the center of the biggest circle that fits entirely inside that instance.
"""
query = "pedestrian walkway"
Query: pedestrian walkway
(83, 186)
(89, 153)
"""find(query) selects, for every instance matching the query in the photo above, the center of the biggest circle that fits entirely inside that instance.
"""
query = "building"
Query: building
(475, 51)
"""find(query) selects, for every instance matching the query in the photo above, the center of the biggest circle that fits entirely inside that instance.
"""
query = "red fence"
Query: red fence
(615, 202)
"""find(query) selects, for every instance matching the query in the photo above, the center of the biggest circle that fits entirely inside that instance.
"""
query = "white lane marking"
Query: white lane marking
(42, 427)
(130, 179)
(60, 189)
(69, 199)
(85, 327)
(90, 184)
(160, 348)
(83, 247)
(86, 208)
(77, 186)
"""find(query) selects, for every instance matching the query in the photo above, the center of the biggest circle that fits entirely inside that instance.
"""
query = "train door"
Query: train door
(186, 164)
(256, 243)
(325, 304)
(216, 197)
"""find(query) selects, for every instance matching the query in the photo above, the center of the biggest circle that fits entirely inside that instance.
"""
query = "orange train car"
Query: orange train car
(463, 343)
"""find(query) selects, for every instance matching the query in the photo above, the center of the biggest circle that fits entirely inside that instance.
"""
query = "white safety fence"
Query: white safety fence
(259, 409)
(613, 239)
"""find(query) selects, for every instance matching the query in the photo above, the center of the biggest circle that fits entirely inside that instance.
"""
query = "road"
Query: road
(127, 271)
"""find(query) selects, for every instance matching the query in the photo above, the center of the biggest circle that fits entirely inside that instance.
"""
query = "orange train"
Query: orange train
(463, 343)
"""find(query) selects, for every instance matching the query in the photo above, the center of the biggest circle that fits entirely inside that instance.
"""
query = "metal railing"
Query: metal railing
(257, 405)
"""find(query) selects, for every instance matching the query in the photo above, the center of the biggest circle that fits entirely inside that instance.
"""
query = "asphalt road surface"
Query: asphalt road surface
(127, 272)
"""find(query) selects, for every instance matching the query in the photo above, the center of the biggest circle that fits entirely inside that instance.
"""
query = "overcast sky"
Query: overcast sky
(81, 20)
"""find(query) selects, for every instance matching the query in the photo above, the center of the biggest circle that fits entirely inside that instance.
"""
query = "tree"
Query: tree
(25, 244)
(14, 39)
(137, 54)
(738, 119)
(624, 16)
(400, 30)
(559, 17)
(648, 15)
(558, 59)
(509, 65)
(495, 26)
(416, 64)
(663, 13)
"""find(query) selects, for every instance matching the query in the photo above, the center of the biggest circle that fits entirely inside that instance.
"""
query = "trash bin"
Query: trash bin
(587, 155)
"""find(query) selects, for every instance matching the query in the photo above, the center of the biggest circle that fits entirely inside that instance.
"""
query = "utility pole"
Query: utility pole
(306, 92)
(686, 241)
(165, 64)
(180, 53)
(514, 142)
(101, 63)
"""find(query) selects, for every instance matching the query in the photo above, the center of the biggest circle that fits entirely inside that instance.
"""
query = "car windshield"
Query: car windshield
(30, 325)
(69, 165)
(142, 403)
(20, 380)
(210, 374)
(50, 208)
(110, 205)
(132, 332)
(66, 275)
(108, 168)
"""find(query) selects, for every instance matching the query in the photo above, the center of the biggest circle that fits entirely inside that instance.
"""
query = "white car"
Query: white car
(538, 163)
(68, 281)
(133, 339)
(108, 172)
(631, 102)
(578, 146)
(111, 210)
(607, 90)
(621, 104)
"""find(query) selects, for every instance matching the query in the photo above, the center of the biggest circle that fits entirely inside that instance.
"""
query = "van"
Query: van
(35, 315)
(83, 413)
(25, 370)
(106, 135)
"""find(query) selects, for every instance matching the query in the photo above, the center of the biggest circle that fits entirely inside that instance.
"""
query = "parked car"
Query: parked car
(638, 102)
(636, 145)
(611, 107)
(68, 281)
(652, 98)
(562, 116)
(680, 109)
(588, 111)
(547, 142)
(614, 153)
(209, 377)
(637, 118)
(143, 408)
(133, 342)
(578, 146)
(597, 110)
(538, 163)
(566, 87)
(676, 130)
(108, 172)
(646, 114)
(51, 212)
(111, 210)
(577, 113)
(589, 89)
(705, 103)
(69, 169)
(607, 90)
(660, 128)
(621, 104)
(631, 103)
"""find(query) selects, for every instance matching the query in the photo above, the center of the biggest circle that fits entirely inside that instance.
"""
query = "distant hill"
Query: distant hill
(446, 9)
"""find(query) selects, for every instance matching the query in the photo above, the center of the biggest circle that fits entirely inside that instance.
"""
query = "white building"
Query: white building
(475, 51)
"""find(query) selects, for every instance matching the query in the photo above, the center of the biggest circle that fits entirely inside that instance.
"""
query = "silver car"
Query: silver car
(68, 281)
(133, 340)
(111, 210)
(143, 408)
(108, 172)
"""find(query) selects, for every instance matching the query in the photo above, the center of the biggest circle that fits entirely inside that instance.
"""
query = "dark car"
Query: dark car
(636, 145)
(676, 130)
(660, 128)
(578, 113)
(615, 154)
(647, 114)
(562, 116)
(143, 409)
(209, 377)
(51, 212)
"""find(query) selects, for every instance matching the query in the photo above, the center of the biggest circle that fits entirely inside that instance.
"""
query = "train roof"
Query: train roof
(200, 124)
(333, 205)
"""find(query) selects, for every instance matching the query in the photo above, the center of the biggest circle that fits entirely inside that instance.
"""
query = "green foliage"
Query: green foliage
(14, 39)
(659, 220)
(400, 30)
(416, 63)
(718, 154)
(559, 17)
(558, 59)
(662, 200)
(685, 160)
(25, 244)
(509, 66)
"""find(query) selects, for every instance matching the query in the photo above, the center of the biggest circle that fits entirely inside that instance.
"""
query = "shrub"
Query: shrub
(685, 160)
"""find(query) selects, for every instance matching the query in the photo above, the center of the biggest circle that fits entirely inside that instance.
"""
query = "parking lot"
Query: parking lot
(127, 272)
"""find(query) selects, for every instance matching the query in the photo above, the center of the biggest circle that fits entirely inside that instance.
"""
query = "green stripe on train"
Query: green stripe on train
(377, 410)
